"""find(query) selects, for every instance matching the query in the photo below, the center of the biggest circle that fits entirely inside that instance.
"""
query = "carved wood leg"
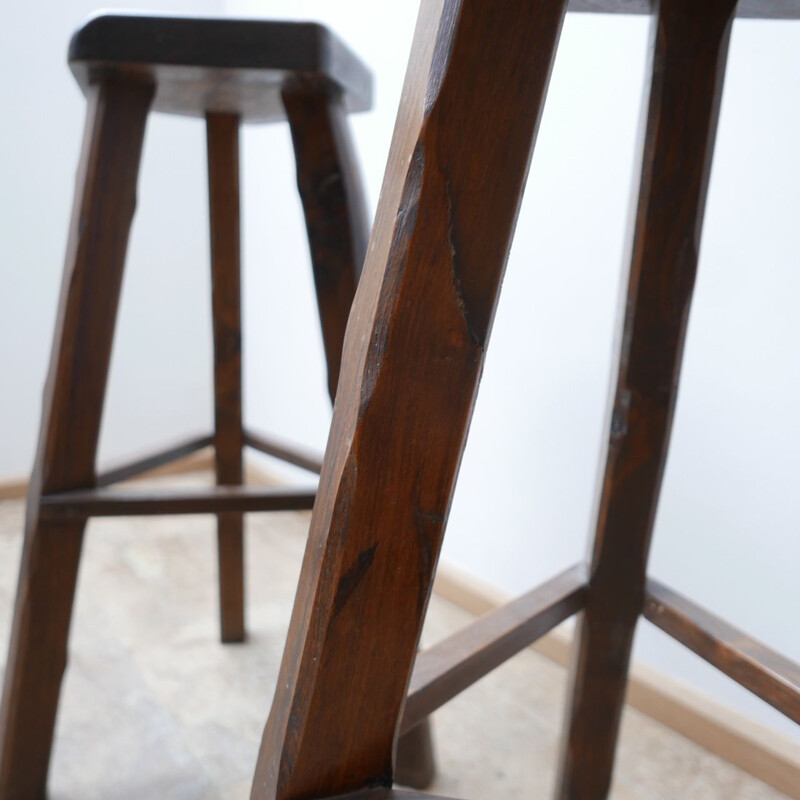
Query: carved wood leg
(331, 191)
(72, 407)
(223, 182)
(413, 355)
(688, 53)
(330, 188)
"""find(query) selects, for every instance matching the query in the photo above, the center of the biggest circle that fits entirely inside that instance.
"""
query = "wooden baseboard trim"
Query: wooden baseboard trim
(13, 488)
(763, 753)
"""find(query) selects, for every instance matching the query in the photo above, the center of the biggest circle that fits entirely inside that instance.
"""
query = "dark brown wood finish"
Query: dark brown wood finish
(333, 202)
(445, 670)
(413, 355)
(330, 187)
(223, 190)
(415, 759)
(688, 52)
(284, 451)
(225, 70)
(73, 400)
(415, 763)
(389, 794)
(147, 464)
(771, 676)
(188, 500)
(228, 66)
(755, 9)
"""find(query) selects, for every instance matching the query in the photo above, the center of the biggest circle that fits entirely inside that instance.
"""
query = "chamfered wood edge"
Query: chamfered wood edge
(762, 752)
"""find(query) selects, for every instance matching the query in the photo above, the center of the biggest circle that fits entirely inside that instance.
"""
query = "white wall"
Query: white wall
(727, 525)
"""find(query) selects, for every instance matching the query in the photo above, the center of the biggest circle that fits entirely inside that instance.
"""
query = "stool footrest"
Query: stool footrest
(205, 500)
(767, 674)
(290, 453)
(151, 462)
(446, 669)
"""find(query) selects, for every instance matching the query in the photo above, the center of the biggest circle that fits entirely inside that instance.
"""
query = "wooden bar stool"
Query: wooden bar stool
(228, 72)
(350, 679)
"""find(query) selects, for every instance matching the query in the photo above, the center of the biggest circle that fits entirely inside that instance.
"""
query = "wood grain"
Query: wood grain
(223, 190)
(445, 670)
(766, 673)
(688, 53)
(414, 350)
(73, 400)
(330, 186)
(335, 210)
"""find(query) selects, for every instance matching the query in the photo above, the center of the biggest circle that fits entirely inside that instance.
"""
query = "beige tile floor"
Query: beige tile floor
(154, 707)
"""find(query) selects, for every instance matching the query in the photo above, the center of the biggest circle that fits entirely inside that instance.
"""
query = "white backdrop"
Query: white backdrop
(727, 528)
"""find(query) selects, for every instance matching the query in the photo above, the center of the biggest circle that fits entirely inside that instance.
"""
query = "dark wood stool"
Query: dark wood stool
(228, 72)
(474, 93)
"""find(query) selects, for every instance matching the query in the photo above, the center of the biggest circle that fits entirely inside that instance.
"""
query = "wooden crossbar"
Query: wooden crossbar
(193, 500)
(749, 9)
(148, 463)
(290, 453)
(768, 674)
(446, 669)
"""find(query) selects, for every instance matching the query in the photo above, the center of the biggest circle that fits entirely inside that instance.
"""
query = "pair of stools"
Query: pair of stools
(351, 680)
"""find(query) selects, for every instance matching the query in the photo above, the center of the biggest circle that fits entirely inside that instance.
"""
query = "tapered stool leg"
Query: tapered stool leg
(330, 189)
(72, 407)
(689, 49)
(223, 182)
(413, 355)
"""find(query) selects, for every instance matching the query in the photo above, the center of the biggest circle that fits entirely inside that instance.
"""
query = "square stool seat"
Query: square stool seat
(207, 64)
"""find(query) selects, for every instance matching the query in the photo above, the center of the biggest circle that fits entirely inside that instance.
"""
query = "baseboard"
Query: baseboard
(13, 488)
(763, 753)
(760, 751)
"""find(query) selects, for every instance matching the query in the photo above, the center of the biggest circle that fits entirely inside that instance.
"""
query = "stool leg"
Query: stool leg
(223, 182)
(413, 356)
(690, 43)
(330, 188)
(415, 762)
(72, 407)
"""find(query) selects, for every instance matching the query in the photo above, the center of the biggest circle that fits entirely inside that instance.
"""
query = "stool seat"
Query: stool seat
(202, 65)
